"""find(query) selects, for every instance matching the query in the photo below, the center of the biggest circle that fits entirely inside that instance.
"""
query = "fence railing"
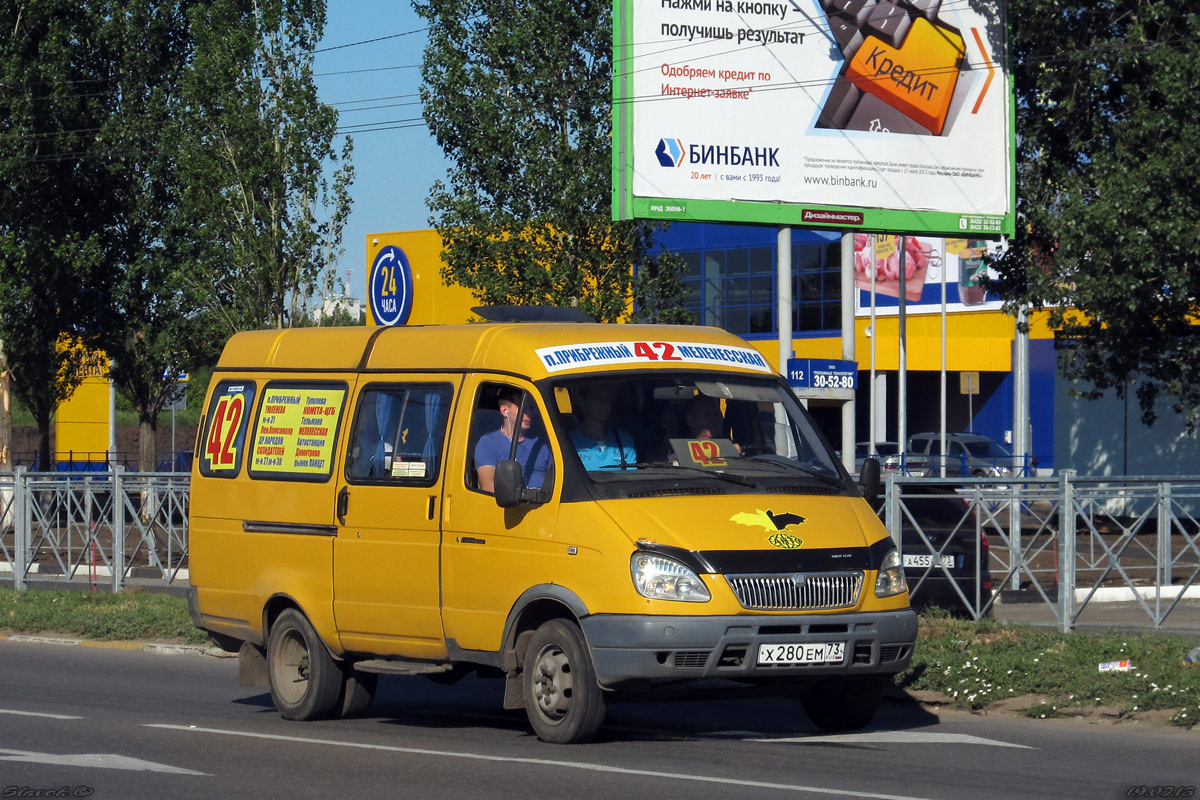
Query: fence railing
(1064, 541)
(105, 528)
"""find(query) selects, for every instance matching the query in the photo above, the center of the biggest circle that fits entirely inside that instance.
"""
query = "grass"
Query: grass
(131, 615)
(979, 663)
(975, 664)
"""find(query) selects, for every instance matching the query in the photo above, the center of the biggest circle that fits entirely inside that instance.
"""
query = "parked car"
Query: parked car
(890, 458)
(968, 455)
(941, 546)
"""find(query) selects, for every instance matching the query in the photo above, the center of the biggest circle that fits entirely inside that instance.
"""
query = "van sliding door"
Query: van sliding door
(385, 571)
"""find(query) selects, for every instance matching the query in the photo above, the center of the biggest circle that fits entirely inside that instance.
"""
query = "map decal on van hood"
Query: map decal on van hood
(593, 354)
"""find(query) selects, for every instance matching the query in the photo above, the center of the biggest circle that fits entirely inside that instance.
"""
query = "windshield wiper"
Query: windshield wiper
(787, 463)
(712, 473)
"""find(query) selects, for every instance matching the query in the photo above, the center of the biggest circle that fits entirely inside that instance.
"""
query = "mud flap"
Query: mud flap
(252, 665)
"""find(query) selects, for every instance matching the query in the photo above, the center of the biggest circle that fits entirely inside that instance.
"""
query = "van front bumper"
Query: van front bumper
(628, 649)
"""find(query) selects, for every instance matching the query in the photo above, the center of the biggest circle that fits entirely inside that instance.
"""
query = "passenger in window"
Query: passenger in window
(533, 454)
(704, 420)
(599, 444)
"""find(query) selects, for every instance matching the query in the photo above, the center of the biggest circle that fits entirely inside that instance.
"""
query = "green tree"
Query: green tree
(265, 213)
(54, 198)
(518, 95)
(1108, 202)
(153, 322)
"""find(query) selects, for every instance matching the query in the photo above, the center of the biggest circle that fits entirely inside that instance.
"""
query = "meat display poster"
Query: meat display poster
(963, 261)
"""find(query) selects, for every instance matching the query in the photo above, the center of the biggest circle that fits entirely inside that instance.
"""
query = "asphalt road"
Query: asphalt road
(82, 721)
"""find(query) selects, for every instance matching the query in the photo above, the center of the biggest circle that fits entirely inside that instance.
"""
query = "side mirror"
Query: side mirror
(868, 481)
(509, 483)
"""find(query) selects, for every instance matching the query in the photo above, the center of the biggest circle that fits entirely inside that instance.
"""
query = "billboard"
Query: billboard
(962, 262)
(847, 114)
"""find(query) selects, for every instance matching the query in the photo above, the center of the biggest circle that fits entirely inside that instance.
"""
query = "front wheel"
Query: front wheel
(562, 700)
(843, 704)
(306, 683)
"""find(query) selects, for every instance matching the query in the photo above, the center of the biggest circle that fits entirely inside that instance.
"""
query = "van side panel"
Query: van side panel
(256, 538)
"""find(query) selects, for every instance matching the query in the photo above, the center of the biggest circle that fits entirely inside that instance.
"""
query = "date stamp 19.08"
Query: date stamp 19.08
(1160, 791)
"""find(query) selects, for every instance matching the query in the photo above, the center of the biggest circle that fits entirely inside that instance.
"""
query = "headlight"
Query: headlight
(891, 576)
(662, 578)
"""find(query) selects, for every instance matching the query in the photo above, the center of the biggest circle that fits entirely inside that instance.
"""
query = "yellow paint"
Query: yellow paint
(434, 302)
(426, 570)
(979, 341)
(81, 421)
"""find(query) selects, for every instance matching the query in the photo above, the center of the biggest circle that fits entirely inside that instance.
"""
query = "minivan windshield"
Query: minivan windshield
(740, 430)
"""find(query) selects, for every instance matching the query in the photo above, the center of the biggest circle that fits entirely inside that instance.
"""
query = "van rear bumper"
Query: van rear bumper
(629, 649)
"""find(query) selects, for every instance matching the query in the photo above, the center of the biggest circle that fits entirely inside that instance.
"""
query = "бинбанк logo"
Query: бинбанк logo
(670, 152)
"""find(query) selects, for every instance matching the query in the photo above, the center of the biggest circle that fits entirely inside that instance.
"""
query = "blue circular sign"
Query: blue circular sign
(391, 287)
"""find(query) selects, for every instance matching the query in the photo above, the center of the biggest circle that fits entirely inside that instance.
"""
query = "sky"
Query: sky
(374, 85)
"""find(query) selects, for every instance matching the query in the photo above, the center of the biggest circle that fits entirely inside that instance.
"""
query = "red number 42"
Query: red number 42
(226, 420)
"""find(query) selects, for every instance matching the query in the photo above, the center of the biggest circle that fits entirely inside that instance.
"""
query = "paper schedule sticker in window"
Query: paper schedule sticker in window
(297, 428)
(409, 469)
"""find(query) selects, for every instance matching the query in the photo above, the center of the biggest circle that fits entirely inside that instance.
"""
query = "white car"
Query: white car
(890, 458)
(968, 455)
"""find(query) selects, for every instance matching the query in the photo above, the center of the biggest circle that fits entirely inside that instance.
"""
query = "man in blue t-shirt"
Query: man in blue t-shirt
(532, 453)
(599, 444)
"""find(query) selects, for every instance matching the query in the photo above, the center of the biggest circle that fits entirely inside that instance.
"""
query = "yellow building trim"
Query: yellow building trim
(975, 341)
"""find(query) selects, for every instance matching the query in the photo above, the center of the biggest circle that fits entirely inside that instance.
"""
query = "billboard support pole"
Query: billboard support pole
(849, 408)
(902, 365)
(942, 410)
(783, 294)
(1021, 426)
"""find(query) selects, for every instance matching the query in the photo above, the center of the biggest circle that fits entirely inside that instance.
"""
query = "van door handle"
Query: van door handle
(343, 504)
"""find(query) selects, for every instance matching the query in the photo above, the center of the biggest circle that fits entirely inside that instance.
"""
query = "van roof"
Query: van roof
(533, 349)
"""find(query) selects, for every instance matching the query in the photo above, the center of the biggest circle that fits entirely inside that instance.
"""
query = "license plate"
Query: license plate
(926, 560)
(809, 653)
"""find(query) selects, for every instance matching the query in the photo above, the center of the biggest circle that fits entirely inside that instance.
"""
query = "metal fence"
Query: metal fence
(102, 528)
(1063, 542)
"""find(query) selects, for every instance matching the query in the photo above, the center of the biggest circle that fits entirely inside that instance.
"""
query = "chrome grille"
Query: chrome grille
(799, 591)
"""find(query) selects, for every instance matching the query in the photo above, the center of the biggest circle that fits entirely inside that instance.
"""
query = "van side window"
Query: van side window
(492, 424)
(225, 437)
(296, 430)
(398, 434)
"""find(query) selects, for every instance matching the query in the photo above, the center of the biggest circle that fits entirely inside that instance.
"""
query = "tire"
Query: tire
(358, 690)
(562, 700)
(843, 704)
(306, 683)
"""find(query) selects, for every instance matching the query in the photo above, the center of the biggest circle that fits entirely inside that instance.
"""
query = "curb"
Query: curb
(141, 647)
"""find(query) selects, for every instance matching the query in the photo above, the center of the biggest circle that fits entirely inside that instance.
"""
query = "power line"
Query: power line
(370, 41)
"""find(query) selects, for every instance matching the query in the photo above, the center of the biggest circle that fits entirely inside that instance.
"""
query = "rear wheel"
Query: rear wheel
(843, 704)
(562, 700)
(306, 683)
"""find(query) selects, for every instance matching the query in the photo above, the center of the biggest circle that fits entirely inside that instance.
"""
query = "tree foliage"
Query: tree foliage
(266, 218)
(54, 197)
(1108, 201)
(517, 93)
(162, 185)
(152, 321)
